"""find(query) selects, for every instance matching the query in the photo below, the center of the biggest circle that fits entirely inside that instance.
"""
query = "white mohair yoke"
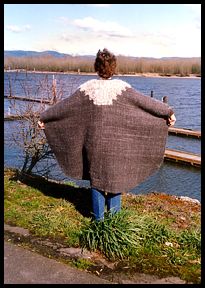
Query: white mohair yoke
(103, 92)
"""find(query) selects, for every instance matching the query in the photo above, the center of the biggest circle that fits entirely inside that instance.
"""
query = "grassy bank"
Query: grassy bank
(164, 231)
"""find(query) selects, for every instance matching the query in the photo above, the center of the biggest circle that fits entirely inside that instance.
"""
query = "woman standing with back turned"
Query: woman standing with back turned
(108, 133)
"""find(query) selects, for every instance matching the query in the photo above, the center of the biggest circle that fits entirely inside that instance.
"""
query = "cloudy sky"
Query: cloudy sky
(142, 30)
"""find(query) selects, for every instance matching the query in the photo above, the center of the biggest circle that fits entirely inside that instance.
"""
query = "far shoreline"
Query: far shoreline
(141, 75)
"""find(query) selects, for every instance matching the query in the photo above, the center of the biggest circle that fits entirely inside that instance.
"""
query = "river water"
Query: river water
(184, 96)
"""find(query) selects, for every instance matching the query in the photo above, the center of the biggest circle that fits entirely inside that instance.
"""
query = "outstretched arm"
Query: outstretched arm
(151, 105)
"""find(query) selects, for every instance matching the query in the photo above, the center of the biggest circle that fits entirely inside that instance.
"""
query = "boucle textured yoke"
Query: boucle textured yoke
(108, 133)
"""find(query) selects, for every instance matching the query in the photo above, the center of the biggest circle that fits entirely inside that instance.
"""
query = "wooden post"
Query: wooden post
(54, 99)
(151, 93)
(10, 86)
(165, 99)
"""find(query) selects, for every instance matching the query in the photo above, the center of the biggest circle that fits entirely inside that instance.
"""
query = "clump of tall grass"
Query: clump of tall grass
(117, 236)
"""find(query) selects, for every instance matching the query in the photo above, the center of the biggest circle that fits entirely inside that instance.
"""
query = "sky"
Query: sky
(139, 30)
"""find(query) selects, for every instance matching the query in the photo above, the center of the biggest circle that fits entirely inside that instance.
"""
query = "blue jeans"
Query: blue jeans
(101, 199)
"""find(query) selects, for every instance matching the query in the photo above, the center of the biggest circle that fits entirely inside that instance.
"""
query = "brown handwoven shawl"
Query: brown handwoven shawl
(108, 133)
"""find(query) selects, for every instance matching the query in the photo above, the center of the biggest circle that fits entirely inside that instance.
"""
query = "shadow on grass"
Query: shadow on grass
(79, 197)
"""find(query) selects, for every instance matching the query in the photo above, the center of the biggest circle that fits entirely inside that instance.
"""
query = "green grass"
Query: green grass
(43, 215)
(117, 237)
(154, 234)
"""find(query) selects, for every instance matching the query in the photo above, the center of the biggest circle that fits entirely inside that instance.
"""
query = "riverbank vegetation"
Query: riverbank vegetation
(154, 233)
(125, 65)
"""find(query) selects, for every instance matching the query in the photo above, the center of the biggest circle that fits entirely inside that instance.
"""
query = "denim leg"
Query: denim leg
(113, 202)
(98, 203)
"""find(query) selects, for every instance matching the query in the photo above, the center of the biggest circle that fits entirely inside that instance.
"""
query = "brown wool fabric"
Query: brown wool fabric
(115, 146)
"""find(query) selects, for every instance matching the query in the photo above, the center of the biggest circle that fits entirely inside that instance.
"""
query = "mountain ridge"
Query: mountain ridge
(31, 53)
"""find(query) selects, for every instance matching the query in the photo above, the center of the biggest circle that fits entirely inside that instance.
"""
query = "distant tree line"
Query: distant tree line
(125, 65)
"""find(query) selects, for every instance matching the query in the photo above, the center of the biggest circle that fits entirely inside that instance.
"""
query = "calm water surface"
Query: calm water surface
(184, 96)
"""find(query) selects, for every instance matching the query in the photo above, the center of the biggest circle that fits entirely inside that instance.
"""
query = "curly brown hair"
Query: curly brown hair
(105, 63)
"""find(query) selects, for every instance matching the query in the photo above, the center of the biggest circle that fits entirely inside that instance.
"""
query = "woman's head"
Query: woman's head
(105, 63)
